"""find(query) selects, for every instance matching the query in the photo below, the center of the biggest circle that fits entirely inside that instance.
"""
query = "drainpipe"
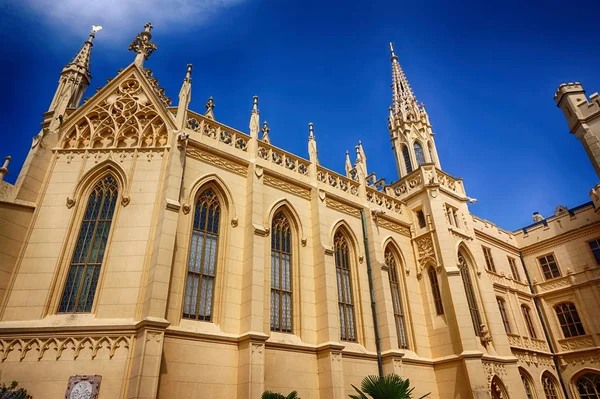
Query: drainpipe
(545, 328)
(373, 308)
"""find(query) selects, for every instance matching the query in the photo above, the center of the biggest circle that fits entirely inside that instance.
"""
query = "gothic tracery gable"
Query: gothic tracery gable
(125, 118)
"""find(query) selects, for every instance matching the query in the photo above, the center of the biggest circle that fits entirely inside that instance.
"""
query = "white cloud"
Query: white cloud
(122, 17)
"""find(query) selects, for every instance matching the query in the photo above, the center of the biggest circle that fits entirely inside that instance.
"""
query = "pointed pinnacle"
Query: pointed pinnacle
(311, 132)
(209, 104)
(255, 104)
(392, 51)
(265, 129)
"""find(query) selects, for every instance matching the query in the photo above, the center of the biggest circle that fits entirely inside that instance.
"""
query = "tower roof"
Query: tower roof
(81, 62)
(404, 102)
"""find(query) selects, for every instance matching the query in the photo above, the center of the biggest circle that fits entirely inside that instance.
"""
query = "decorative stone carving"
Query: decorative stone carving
(486, 338)
(124, 119)
(186, 208)
(303, 241)
(70, 202)
(234, 222)
(571, 344)
(396, 227)
(125, 200)
(55, 346)
(285, 186)
(338, 206)
(492, 369)
(83, 387)
(425, 247)
(217, 161)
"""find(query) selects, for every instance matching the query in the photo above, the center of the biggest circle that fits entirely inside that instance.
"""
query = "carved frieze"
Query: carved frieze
(217, 161)
(425, 247)
(396, 227)
(53, 347)
(286, 186)
(338, 206)
(492, 369)
(572, 344)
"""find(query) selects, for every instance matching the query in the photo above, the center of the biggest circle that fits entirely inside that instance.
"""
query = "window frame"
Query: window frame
(526, 313)
(549, 382)
(421, 220)
(218, 256)
(343, 292)
(596, 256)
(93, 185)
(292, 259)
(435, 291)
(512, 263)
(503, 314)
(417, 144)
(593, 378)
(407, 161)
(394, 264)
(575, 322)
(469, 286)
(489, 260)
(551, 273)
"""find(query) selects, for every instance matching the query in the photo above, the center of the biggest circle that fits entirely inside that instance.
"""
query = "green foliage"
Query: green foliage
(390, 386)
(275, 395)
(13, 391)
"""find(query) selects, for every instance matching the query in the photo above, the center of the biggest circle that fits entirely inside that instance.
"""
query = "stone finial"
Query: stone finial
(311, 132)
(254, 118)
(188, 73)
(210, 105)
(4, 168)
(392, 51)
(312, 145)
(142, 45)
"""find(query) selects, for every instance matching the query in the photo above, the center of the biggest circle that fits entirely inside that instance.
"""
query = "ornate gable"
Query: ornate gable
(128, 114)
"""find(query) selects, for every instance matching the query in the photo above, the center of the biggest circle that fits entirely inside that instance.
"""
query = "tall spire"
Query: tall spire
(142, 45)
(75, 77)
(404, 102)
(185, 96)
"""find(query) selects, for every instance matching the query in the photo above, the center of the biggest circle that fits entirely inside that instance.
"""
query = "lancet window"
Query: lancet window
(344, 285)
(407, 162)
(503, 314)
(392, 261)
(528, 321)
(84, 270)
(200, 281)
(470, 292)
(419, 154)
(281, 274)
(435, 290)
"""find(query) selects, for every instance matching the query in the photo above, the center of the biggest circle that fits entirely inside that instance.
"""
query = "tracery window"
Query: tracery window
(435, 290)
(281, 274)
(344, 285)
(569, 320)
(391, 260)
(588, 386)
(528, 321)
(200, 282)
(419, 155)
(527, 385)
(503, 314)
(406, 156)
(84, 270)
(471, 300)
(549, 387)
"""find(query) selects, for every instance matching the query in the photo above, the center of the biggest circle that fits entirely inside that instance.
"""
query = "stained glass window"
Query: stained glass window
(419, 155)
(84, 270)
(200, 282)
(549, 387)
(588, 386)
(344, 285)
(569, 320)
(435, 290)
(391, 260)
(471, 300)
(407, 162)
(281, 274)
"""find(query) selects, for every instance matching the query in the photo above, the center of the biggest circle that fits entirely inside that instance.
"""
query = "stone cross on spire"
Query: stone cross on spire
(143, 46)
(404, 103)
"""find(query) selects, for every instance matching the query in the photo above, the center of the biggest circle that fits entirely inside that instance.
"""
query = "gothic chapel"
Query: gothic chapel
(150, 251)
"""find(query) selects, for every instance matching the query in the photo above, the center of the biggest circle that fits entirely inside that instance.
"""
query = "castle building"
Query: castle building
(150, 251)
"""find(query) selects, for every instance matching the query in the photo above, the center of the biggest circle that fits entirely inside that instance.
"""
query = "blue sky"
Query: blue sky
(487, 74)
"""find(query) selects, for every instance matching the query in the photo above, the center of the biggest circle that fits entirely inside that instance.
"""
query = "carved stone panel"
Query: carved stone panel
(83, 387)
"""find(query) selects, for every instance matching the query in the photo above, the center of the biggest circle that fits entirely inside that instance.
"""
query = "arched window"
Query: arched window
(588, 386)
(569, 320)
(281, 274)
(200, 283)
(84, 271)
(502, 307)
(419, 155)
(406, 157)
(392, 261)
(549, 387)
(498, 390)
(471, 300)
(430, 148)
(344, 285)
(435, 290)
(528, 321)
(528, 385)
